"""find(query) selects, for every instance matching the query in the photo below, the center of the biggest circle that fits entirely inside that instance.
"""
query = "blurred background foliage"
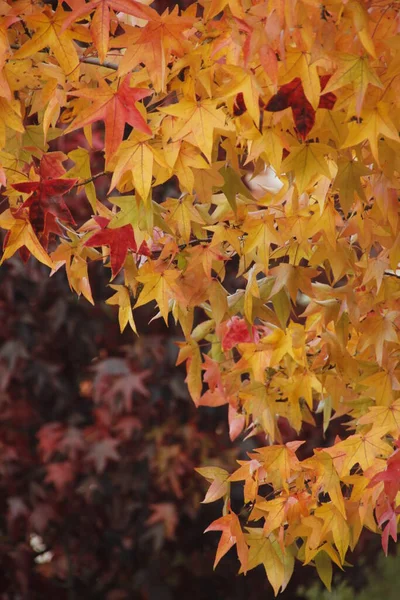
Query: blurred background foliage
(381, 582)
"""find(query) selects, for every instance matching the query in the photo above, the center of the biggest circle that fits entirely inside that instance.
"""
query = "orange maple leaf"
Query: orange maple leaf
(115, 107)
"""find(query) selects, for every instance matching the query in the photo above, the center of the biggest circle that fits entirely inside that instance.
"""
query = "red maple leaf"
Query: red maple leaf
(60, 474)
(49, 436)
(292, 95)
(236, 331)
(118, 240)
(126, 385)
(390, 476)
(50, 166)
(44, 206)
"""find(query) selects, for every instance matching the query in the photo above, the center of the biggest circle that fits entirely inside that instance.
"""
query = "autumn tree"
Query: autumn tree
(250, 150)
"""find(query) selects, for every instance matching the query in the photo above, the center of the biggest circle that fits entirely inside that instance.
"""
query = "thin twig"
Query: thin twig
(81, 183)
(392, 274)
(92, 60)
(89, 60)
(70, 569)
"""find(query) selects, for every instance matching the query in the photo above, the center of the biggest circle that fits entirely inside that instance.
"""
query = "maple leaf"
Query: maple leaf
(233, 185)
(10, 111)
(328, 479)
(264, 551)
(261, 234)
(281, 458)
(246, 89)
(335, 523)
(126, 426)
(307, 161)
(348, 182)
(378, 330)
(159, 286)
(381, 386)
(164, 512)
(236, 423)
(253, 473)
(236, 331)
(387, 417)
(50, 437)
(219, 483)
(182, 213)
(362, 449)
(374, 123)
(48, 27)
(131, 213)
(231, 534)
(21, 235)
(102, 452)
(292, 95)
(183, 159)
(115, 107)
(190, 352)
(390, 476)
(60, 474)
(118, 240)
(45, 205)
(74, 257)
(199, 121)
(82, 169)
(293, 278)
(134, 156)
(129, 383)
(356, 70)
(162, 36)
(100, 23)
(122, 299)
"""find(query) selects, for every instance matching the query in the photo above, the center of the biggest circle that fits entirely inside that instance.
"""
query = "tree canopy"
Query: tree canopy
(250, 153)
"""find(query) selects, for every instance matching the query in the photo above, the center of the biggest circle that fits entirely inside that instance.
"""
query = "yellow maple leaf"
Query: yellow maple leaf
(135, 156)
(374, 123)
(159, 286)
(281, 459)
(199, 120)
(22, 234)
(293, 278)
(219, 483)
(181, 213)
(356, 70)
(386, 418)
(264, 551)
(378, 330)
(334, 523)
(48, 32)
(362, 448)
(307, 161)
(122, 299)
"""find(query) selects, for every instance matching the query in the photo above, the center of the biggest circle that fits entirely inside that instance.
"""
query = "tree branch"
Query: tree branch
(85, 181)
(89, 60)
(392, 274)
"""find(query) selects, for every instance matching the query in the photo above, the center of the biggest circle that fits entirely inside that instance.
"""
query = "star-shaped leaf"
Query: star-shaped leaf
(199, 120)
(118, 240)
(115, 107)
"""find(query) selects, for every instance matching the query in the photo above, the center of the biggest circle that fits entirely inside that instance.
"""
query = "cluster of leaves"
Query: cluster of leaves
(278, 123)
